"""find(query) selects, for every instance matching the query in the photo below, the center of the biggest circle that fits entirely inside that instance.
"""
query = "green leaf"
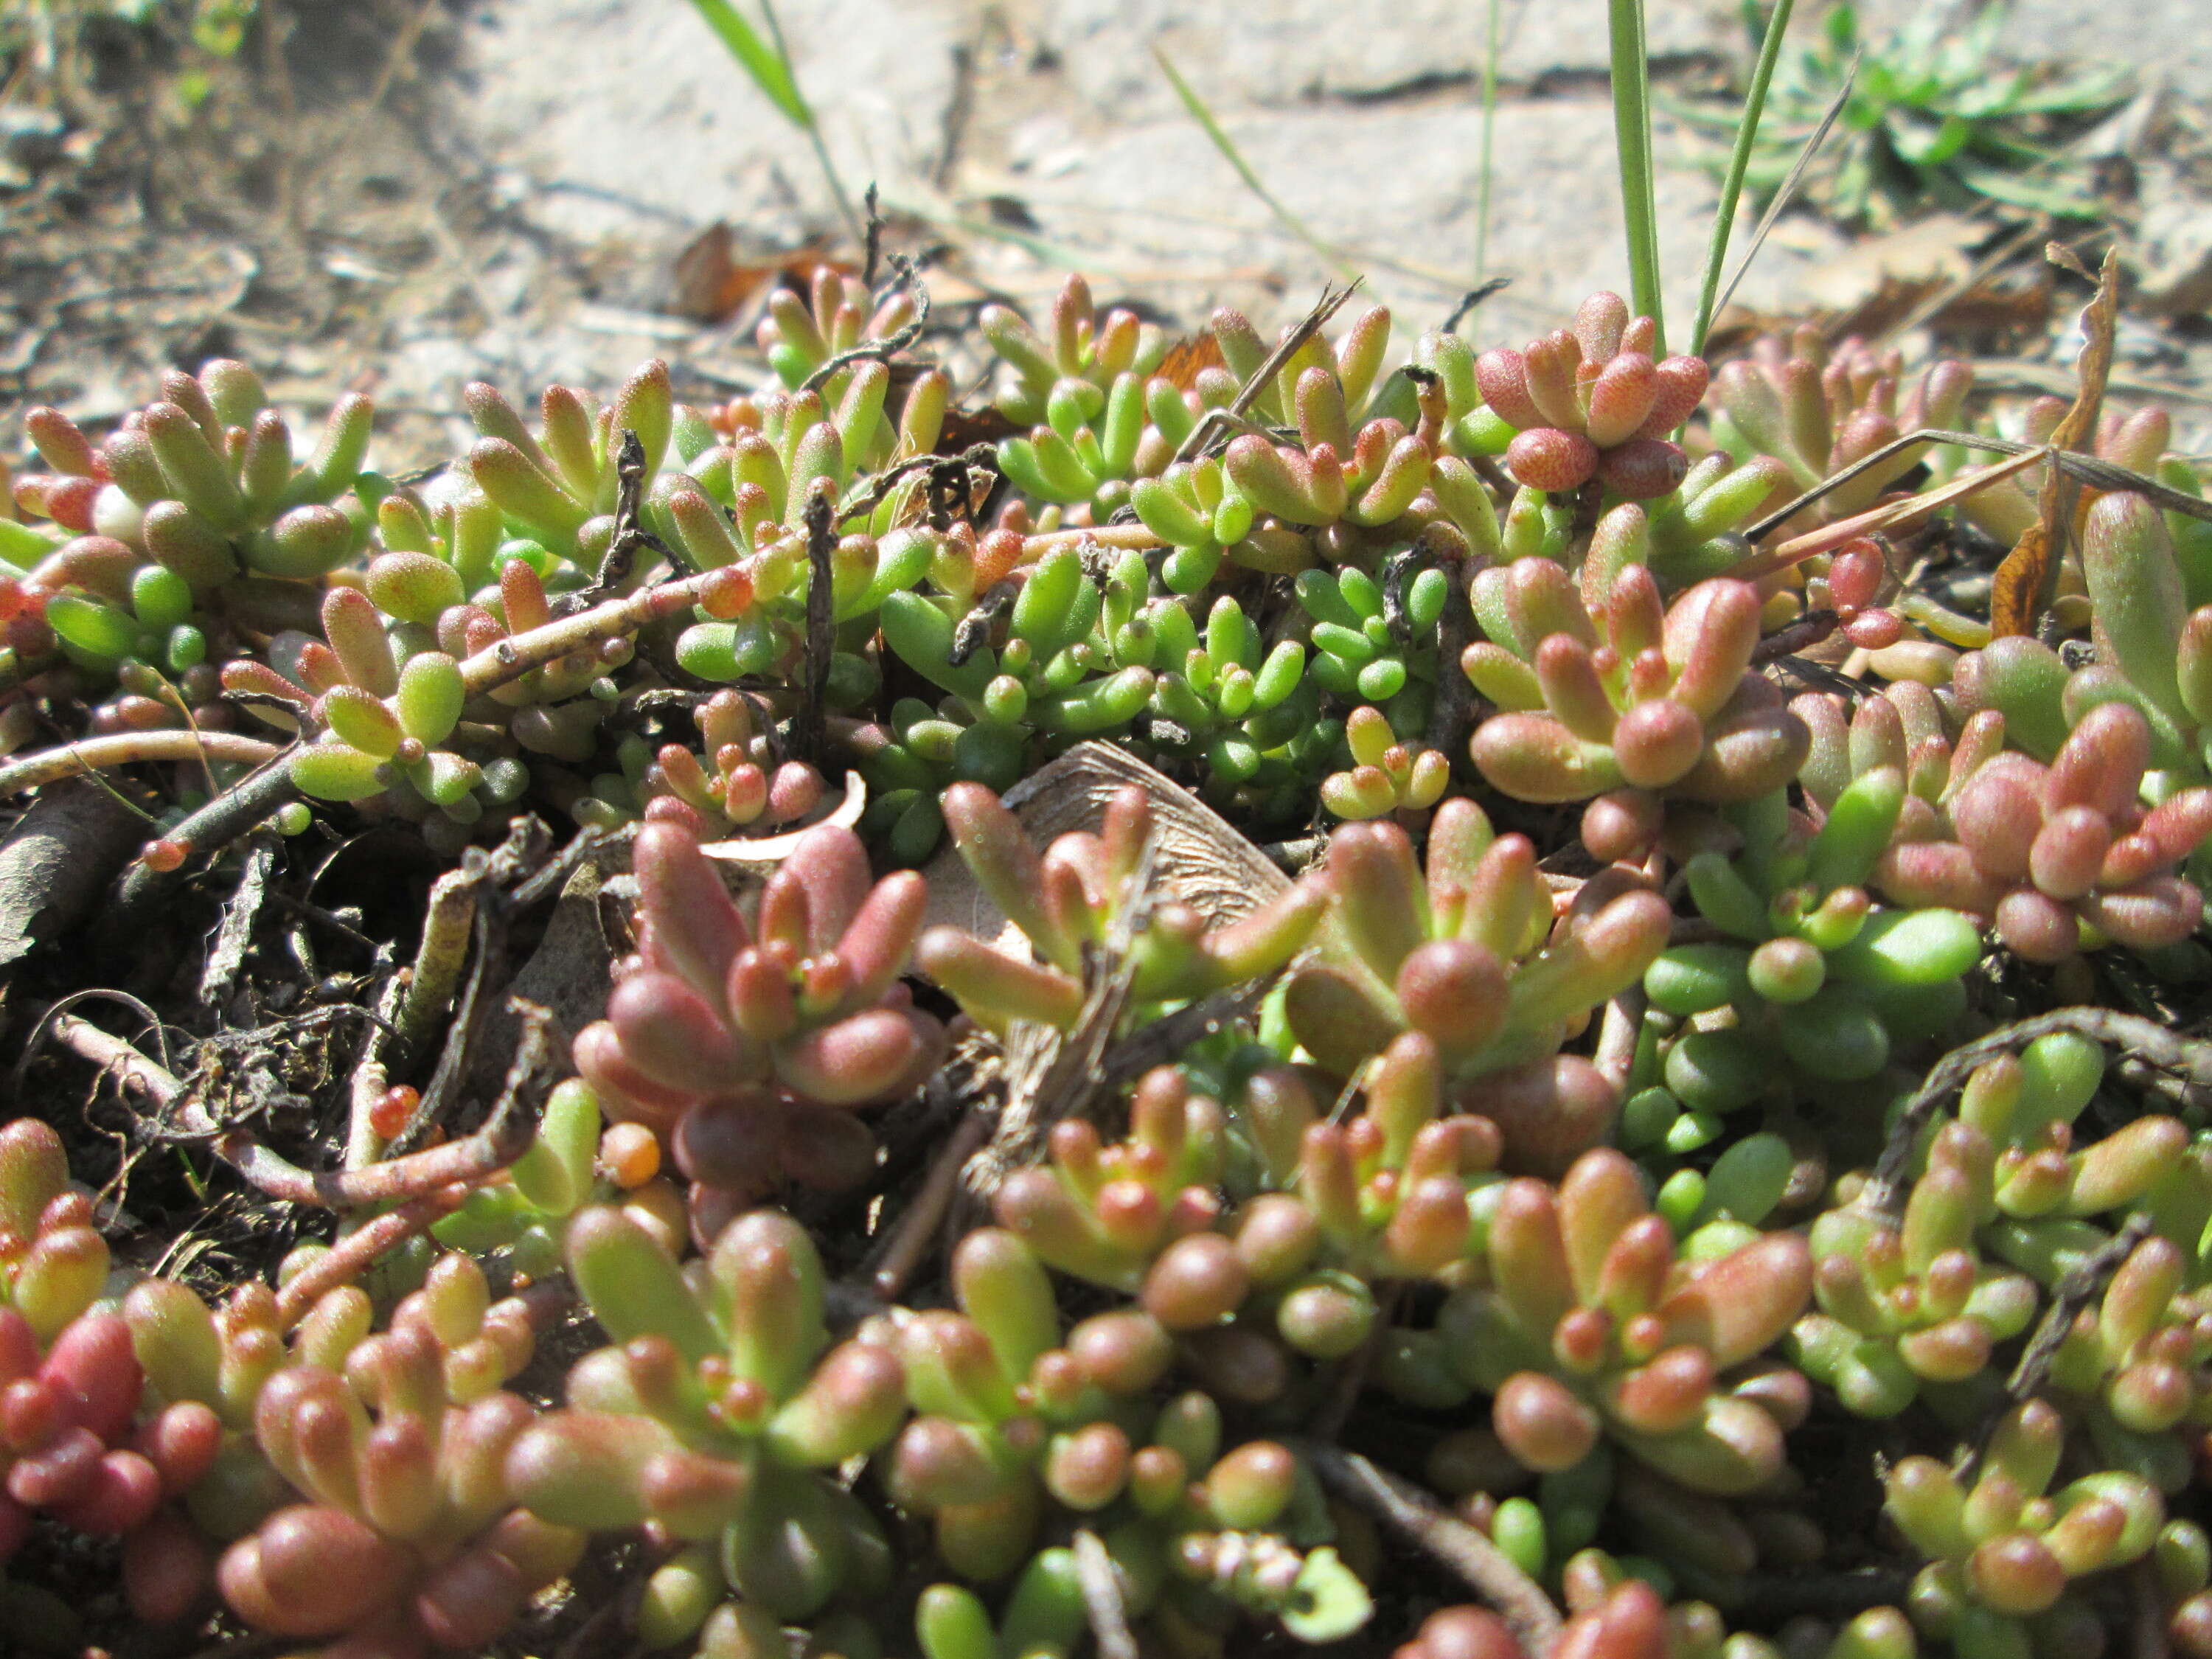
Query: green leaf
(1329, 1602)
(2099, 90)
(1739, 168)
(2000, 184)
(1930, 146)
(1632, 136)
(766, 67)
(1222, 142)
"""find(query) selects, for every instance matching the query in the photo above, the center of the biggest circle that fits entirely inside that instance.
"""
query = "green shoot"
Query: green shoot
(766, 62)
(1787, 192)
(1632, 125)
(1332, 256)
(1754, 105)
(1492, 11)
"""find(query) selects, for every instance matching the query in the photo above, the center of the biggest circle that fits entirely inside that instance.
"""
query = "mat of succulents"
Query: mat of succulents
(1231, 994)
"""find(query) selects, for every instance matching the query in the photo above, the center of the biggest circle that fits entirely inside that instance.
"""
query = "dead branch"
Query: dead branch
(361, 1250)
(1101, 1597)
(2150, 1041)
(131, 749)
(2082, 1285)
(1406, 1509)
(464, 1163)
(821, 542)
(1810, 629)
(511, 659)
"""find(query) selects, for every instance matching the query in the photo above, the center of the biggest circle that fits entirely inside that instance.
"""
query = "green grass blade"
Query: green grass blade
(766, 62)
(1632, 129)
(769, 69)
(853, 225)
(1198, 113)
(1489, 132)
(1746, 135)
(1788, 189)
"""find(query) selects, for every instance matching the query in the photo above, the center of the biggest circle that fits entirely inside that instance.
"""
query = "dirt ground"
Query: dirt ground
(400, 195)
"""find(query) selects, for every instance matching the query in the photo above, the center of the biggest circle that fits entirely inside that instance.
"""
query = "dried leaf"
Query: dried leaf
(1201, 861)
(2016, 592)
(1890, 516)
(56, 859)
(711, 284)
(235, 937)
(2025, 579)
(570, 972)
(1187, 356)
(774, 849)
(964, 428)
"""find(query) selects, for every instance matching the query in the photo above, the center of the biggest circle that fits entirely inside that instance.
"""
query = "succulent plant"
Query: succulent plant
(717, 1412)
(746, 1045)
(522, 1216)
(1819, 976)
(1586, 1331)
(203, 484)
(1014, 1412)
(801, 333)
(1629, 1126)
(1205, 518)
(730, 784)
(556, 488)
(2154, 654)
(381, 728)
(1387, 777)
(1819, 409)
(1365, 479)
(1253, 719)
(76, 1446)
(1382, 1196)
(1468, 953)
(1903, 1308)
(1629, 1622)
(2003, 1550)
(1052, 677)
(189, 530)
(1593, 401)
(2057, 856)
(1107, 1214)
(1623, 695)
(1084, 346)
(406, 1535)
(1365, 643)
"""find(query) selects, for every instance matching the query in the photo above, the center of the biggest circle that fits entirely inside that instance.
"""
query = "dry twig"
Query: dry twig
(1101, 1597)
(2082, 1285)
(2150, 1041)
(1406, 1509)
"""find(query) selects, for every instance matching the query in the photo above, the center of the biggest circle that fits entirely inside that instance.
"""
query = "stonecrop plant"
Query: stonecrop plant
(1258, 994)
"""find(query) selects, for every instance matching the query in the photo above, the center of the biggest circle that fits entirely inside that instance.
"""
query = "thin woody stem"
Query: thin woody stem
(1101, 1597)
(447, 926)
(2083, 1283)
(821, 539)
(1404, 1508)
(1810, 629)
(1121, 537)
(361, 1250)
(465, 1163)
(511, 659)
(2146, 1039)
(131, 749)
